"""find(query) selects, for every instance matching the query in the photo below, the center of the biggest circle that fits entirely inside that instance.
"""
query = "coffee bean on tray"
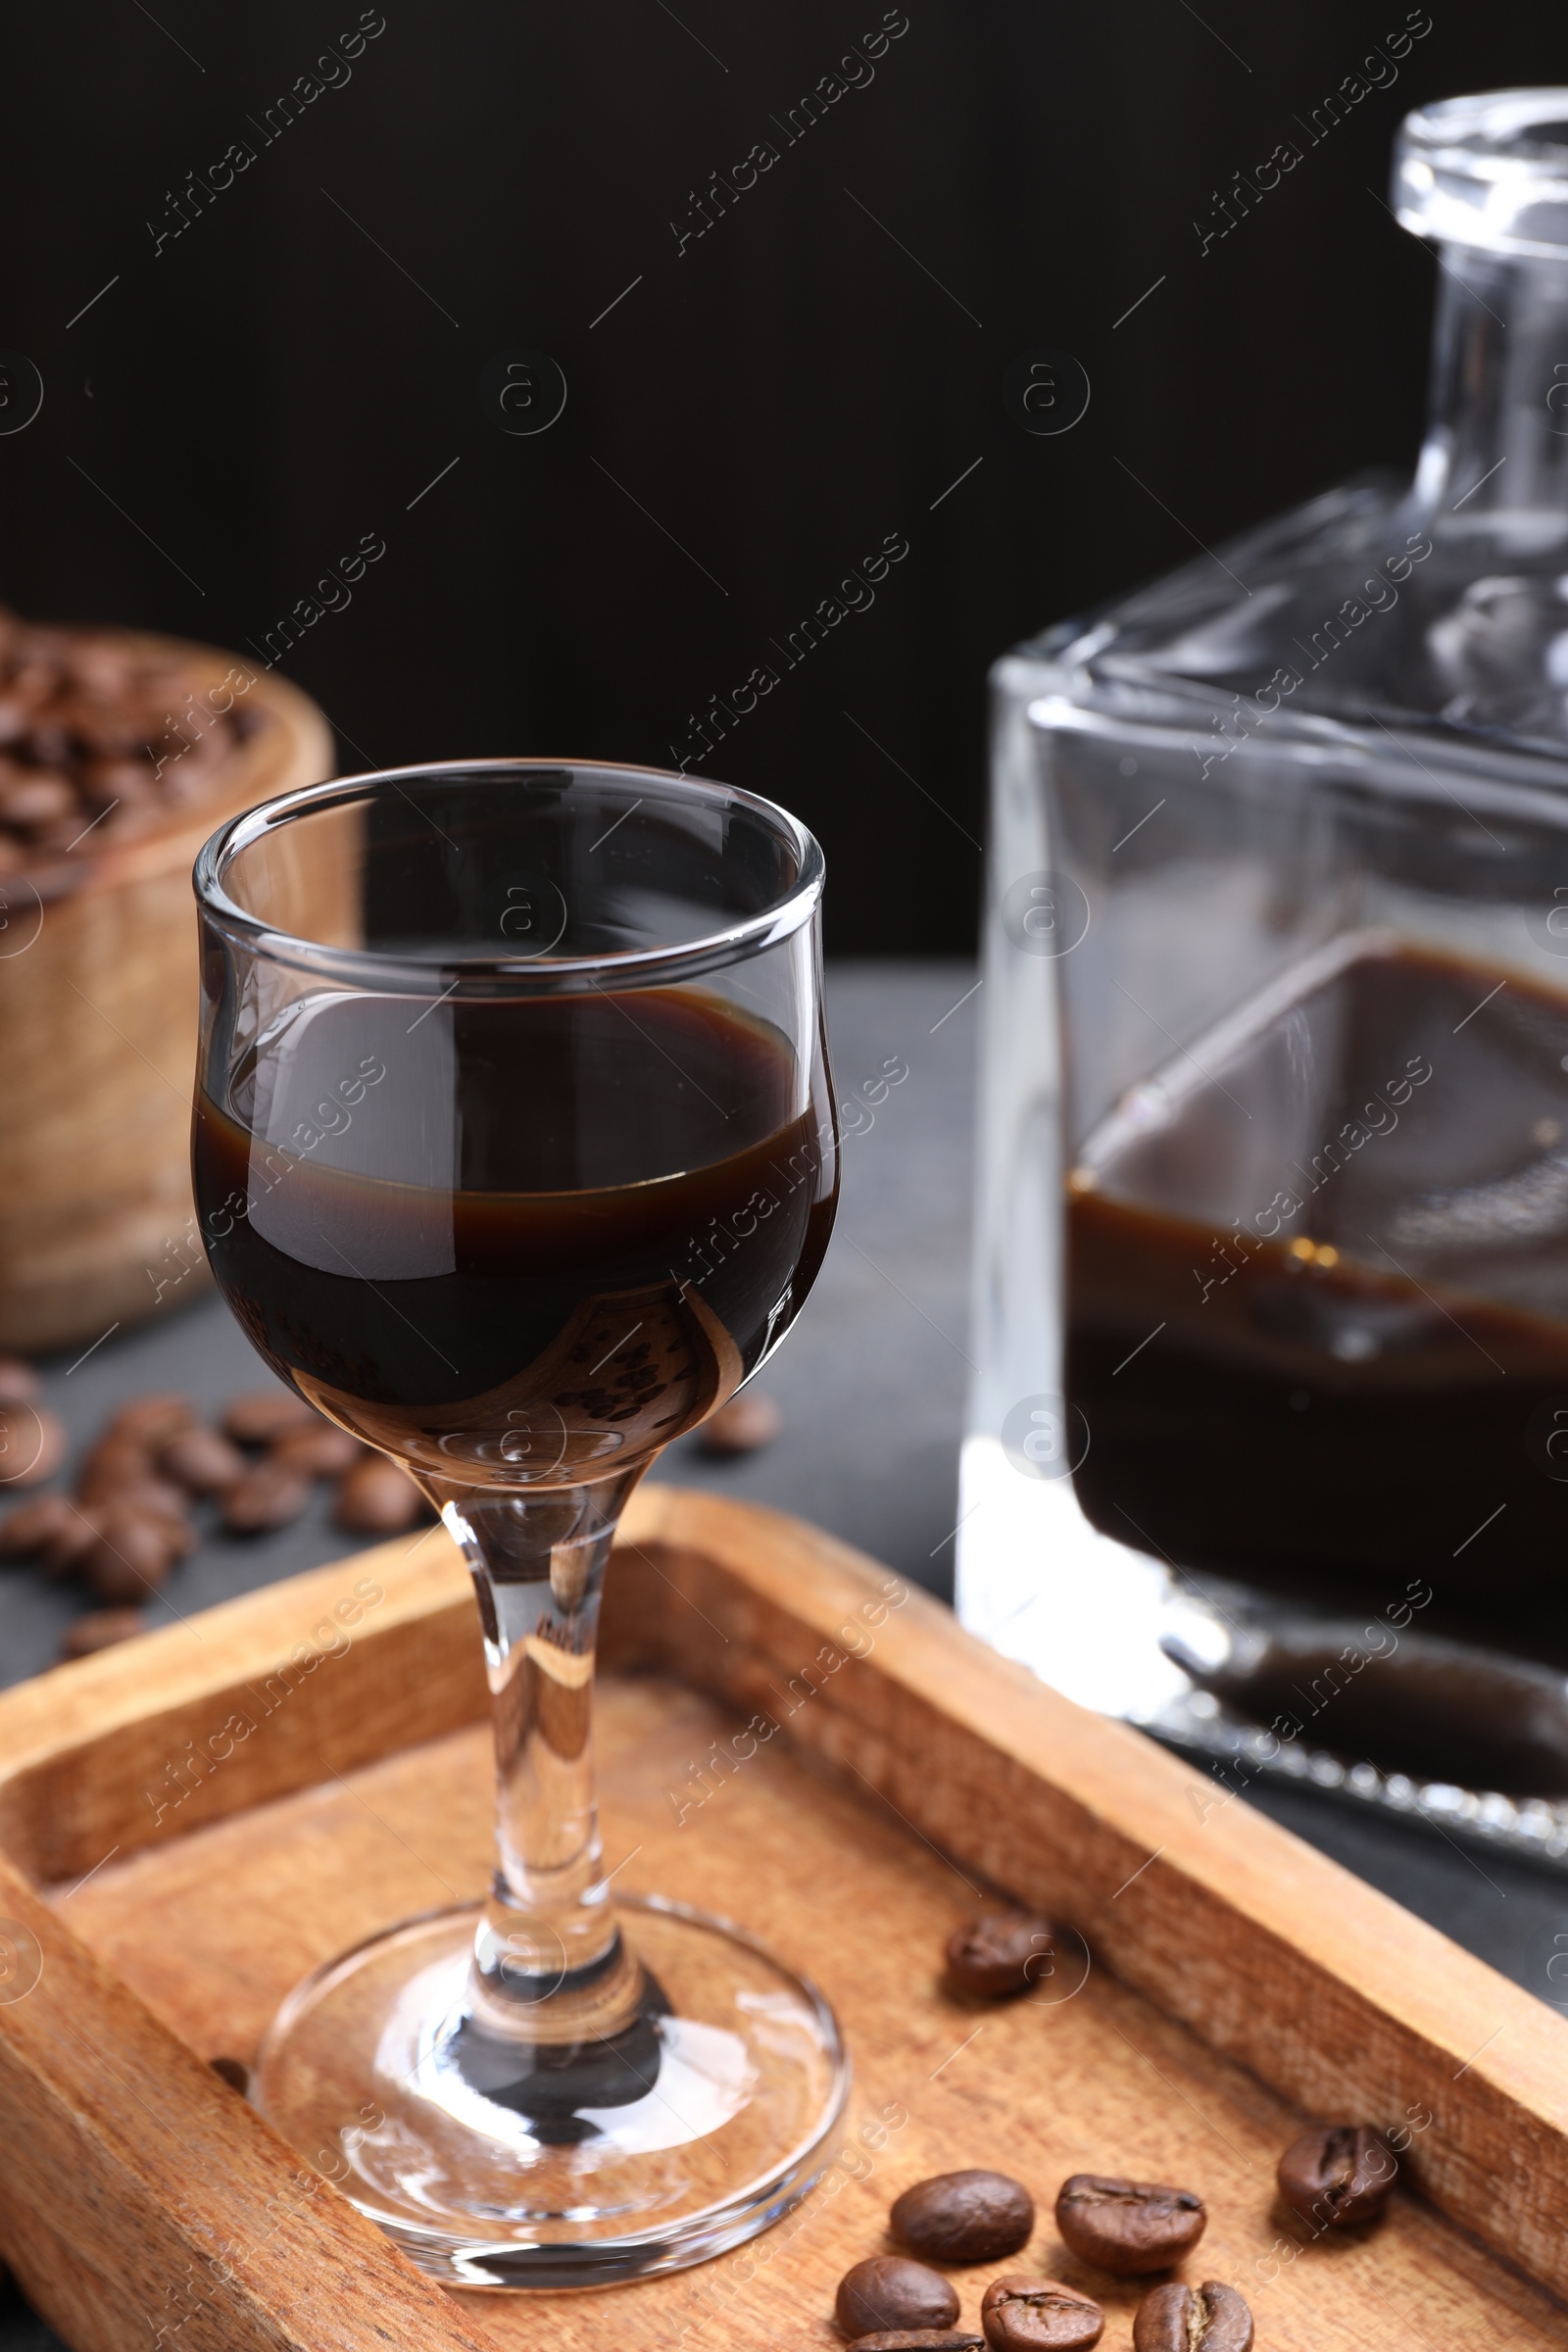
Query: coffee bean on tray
(202, 1461)
(965, 2217)
(325, 1451)
(1128, 2226)
(918, 2339)
(889, 2293)
(1210, 2318)
(999, 1954)
(100, 1628)
(19, 1382)
(232, 2070)
(745, 1425)
(270, 1496)
(377, 1498)
(1338, 2175)
(264, 1415)
(1022, 2313)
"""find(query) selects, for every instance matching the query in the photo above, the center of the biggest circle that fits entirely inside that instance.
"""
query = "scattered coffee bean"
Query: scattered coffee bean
(889, 2293)
(270, 1496)
(150, 1421)
(325, 1451)
(1210, 2318)
(965, 2217)
(131, 1556)
(377, 1498)
(115, 1462)
(232, 2072)
(918, 2339)
(1001, 1954)
(26, 1530)
(76, 1530)
(1337, 2176)
(202, 1461)
(745, 1425)
(100, 1628)
(19, 1382)
(264, 1415)
(1128, 2226)
(32, 1445)
(1026, 2314)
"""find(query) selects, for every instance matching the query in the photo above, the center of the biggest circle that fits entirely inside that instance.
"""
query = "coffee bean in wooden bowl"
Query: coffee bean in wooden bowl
(1002, 1954)
(970, 2216)
(889, 2293)
(118, 755)
(1211, 2318)
(1337, 2176)
(1128, 2226)
(1027, 2313)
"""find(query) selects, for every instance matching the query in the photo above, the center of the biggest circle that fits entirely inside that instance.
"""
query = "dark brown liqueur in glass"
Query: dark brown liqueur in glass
(1317, 1293)
(525, 1241)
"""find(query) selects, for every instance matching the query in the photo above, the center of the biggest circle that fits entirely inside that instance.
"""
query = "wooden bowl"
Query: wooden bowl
(98, 1017)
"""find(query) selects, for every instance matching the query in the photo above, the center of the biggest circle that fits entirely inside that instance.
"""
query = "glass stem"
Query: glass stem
(550, 1964)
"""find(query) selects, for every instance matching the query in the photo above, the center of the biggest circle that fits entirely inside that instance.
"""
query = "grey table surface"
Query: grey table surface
(871, 1383)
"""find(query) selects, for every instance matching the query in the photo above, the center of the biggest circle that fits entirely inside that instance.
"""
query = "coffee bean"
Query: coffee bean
(150, 1421)
(377, 1498)
(965, 2217)
(1022, 2313)
(100, 1628)
(889, 2293)
(74, 1532)
(19, 1382)
(270, 1496)
(264, 1415)
(745, 1425)
(202, 1461)
(1338, 2175)
(233, 2072)
(1001, 1954)
(26, 1530)
(131, 1556)
(1128, 2226)
(325, 1451)
(918, 2339)
(1210, 2318)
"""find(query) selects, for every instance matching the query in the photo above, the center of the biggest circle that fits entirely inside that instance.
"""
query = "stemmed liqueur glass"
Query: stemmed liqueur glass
(515, 1154)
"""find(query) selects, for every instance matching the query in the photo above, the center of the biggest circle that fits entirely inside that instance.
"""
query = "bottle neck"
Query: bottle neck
(1495, 456)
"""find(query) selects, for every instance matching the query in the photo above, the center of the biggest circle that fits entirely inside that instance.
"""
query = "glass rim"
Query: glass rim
(544, 974)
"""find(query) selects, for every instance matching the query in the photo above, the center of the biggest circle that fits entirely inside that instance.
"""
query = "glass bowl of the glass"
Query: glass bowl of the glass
(515, 1154)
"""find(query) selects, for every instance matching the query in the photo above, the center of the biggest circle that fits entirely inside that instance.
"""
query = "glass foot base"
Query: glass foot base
(690, 2131)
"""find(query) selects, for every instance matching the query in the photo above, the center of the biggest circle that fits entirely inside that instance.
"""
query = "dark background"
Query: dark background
(231, 416)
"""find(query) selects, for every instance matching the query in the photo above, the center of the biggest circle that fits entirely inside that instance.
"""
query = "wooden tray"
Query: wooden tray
(172, 1872)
